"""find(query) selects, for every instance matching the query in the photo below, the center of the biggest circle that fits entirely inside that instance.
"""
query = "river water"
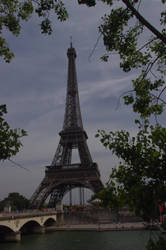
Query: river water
(119, 240)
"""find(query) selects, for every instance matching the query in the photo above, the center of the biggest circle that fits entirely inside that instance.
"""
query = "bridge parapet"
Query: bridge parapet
(26, 215)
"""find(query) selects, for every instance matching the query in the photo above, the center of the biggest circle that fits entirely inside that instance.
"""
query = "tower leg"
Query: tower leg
(70, 198)
(83, 198)
(80, 195)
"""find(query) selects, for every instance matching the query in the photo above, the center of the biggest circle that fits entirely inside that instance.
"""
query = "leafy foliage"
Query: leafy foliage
(16, 200)
(140, 177)
(123, 34)
(112, 197)
(14, 12)
(9, 138)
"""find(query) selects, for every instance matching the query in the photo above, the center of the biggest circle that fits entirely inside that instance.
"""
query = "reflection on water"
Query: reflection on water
(121, 240)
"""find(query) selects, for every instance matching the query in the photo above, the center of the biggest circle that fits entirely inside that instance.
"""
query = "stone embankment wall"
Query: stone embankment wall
(99, 216)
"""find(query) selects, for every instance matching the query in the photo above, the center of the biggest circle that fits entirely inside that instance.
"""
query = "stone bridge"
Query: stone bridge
(13, 225)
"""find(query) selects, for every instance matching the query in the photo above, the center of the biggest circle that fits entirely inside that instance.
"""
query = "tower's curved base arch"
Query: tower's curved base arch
(58, 183)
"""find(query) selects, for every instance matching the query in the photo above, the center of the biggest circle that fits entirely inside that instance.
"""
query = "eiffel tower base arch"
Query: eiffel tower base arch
(58, 181)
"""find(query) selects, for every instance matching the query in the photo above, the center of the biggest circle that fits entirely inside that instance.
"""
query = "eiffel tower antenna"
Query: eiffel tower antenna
(62, 175)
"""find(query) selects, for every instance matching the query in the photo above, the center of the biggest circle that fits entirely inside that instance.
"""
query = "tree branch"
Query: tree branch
(161, 94)
(143, 46)
(144, 21)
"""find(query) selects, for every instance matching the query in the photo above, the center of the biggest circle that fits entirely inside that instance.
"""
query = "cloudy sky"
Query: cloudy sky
(33, 86)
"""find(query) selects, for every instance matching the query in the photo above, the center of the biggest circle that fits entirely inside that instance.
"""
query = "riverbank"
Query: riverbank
(101, 227)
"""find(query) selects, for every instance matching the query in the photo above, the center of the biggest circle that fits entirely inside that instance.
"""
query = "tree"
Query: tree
(122, 31)
(141, 174)
(16, 200)
(9, 138)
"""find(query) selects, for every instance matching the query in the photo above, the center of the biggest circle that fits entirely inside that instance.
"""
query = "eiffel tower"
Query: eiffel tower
(62, 176)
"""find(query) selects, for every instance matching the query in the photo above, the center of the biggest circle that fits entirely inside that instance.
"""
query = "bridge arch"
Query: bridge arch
(49, 222)
(31, 226)
(5, 229)
(8, 234)
(29, 221)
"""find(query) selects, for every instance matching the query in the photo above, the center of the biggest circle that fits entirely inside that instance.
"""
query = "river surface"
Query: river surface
(121, 240)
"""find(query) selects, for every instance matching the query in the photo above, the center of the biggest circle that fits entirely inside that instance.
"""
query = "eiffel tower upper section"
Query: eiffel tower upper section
(73, 119)
(73, 135)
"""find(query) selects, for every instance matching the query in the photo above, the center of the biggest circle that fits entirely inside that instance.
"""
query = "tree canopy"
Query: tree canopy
(14, 12)
(123, 31)
(16, 201)
(141, 174)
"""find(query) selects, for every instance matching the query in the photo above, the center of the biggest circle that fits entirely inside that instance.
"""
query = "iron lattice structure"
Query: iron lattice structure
(62, 176)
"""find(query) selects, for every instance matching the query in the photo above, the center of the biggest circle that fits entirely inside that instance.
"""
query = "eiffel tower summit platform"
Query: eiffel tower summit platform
(62, 175)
